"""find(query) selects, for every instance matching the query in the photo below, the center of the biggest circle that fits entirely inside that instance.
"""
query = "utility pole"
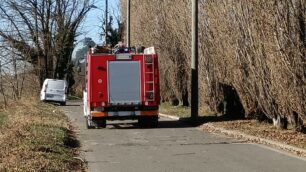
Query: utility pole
(194, 63)
(128, 24)
(106, 21)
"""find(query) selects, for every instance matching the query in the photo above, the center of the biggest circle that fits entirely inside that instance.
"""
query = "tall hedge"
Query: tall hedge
(252, 54)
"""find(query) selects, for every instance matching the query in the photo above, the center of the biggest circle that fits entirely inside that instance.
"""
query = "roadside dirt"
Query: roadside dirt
(261, 130)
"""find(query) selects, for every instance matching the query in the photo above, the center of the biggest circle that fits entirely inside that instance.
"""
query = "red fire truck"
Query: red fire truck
(121, 86)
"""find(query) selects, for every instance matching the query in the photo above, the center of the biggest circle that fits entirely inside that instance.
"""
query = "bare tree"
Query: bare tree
(14, 73)
(2, 91)
(42, 32)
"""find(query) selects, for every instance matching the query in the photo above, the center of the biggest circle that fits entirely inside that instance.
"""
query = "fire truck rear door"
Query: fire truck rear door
(124, 82)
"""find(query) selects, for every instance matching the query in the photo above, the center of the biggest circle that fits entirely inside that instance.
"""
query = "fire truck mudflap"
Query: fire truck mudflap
(120, 87)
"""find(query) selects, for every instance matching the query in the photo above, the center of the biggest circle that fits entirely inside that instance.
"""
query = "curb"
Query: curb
(209, 127)
(169, 116)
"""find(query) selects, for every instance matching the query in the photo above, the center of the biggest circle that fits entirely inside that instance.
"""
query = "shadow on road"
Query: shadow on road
(206, 119)
(182, 123)
(166, 124)
(161, 124)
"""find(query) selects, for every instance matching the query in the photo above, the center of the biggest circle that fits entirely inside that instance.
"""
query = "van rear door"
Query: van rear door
(56, 87)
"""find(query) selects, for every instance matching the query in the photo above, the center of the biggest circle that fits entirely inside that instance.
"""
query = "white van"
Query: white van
(54, 90)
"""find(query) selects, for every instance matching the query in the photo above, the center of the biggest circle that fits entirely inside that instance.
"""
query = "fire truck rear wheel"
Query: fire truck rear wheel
(148, 122)
(154, 121)
(101, 123)
(142, 122)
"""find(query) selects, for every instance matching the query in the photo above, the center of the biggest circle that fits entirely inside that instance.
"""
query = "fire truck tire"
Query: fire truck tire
(101, 123)
(148, 122)
(154, 121)
(142, 122)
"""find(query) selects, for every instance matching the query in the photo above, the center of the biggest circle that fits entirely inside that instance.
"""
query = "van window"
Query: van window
(59, 85)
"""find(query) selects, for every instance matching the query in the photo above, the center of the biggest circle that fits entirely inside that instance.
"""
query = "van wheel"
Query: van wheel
(63, 103)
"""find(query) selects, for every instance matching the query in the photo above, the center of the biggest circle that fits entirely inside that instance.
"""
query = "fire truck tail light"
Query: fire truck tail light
(146, 103)
(103, 103)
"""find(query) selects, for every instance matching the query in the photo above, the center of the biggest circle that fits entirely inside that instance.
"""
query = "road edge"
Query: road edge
(169, 116)
(209, 127)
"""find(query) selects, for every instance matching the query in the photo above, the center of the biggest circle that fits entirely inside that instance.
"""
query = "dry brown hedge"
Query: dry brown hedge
(252, 54)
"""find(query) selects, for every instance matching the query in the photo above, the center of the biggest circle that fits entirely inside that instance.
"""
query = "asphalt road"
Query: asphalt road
(173, 147)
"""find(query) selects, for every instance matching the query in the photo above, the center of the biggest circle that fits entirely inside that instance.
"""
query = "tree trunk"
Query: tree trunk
(40, 69)
(297, 122)
(1, 86)
(174, 101)
(185, 97)
(280, 122)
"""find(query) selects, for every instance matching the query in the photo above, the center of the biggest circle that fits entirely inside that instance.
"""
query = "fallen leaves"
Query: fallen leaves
(260, 130)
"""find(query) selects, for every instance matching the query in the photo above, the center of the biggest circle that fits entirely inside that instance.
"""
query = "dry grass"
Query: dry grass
(3, 117)
(182, 111)
(36, 137)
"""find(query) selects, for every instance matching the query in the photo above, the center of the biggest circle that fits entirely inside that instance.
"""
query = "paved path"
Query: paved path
(173, 147)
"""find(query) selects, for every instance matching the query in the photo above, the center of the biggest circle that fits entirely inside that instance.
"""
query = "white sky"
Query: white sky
(91, 25)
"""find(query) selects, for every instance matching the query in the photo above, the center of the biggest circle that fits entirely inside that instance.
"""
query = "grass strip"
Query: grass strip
(37, 137)
(182, 111)
(3, 117)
